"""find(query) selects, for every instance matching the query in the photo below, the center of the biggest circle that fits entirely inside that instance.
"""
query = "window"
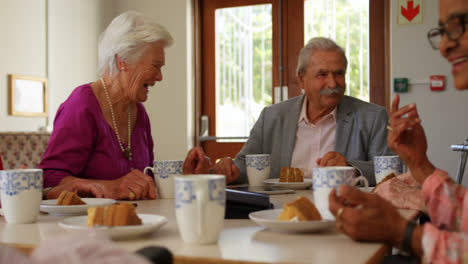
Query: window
(243, 62)
(246, 52)
(347, 23)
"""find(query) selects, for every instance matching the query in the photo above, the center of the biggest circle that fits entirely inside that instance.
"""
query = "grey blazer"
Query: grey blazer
(361, 134)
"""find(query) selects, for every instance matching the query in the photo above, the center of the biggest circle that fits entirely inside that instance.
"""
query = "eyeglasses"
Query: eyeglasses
(454, 28)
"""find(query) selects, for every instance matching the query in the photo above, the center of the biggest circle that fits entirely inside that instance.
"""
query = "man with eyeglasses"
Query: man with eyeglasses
(369, 217)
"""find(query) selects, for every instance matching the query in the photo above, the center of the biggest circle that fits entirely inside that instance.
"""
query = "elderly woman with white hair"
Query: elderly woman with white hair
(102, 140)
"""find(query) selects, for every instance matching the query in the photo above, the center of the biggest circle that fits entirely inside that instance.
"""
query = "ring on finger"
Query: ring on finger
(131, 195)
(340, 211)
(389, 127)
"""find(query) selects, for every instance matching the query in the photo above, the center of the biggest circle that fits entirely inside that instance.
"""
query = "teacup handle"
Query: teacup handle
(148, 168)
(361, 178)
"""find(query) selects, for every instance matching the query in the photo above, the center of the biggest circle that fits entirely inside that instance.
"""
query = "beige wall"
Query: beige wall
(23, 51)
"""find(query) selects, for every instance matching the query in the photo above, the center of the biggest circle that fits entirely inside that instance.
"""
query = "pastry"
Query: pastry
(289, 174)
(114, 215)
(69, 198)
(301, 209)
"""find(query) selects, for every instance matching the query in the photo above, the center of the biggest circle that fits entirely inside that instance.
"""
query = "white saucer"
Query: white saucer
(151, 223)
(268, 218)
(290, 185)
(49, 206)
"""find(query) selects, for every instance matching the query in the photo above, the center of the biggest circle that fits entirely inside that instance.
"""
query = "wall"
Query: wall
(442, 113)
(19, 28)
(58, 39)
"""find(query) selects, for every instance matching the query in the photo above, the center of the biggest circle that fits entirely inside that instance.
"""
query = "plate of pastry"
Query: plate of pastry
(296, 216)
(307, 183)
(290, 178)
(118, 221)
(69, 203)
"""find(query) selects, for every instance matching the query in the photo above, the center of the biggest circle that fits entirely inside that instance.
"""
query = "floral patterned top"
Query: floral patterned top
(445, 240)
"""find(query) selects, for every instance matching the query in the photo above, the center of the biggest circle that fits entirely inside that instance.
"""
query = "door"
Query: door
(249, 49)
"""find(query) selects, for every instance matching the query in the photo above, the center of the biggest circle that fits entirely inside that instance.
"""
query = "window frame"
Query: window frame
(292, 40)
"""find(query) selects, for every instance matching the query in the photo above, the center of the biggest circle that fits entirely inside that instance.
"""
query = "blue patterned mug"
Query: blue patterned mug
(200, 205)
(21, 195)
(325, 179)
(258, 168)
(385, 165)
(164, 172)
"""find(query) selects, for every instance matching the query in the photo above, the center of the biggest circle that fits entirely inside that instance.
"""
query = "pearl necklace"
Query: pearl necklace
(128, 151)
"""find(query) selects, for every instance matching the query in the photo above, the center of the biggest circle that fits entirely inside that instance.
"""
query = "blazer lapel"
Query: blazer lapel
(289, 131)
(343, 125)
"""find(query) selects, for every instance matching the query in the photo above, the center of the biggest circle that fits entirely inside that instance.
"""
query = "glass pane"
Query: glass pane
(243, 67)
(346, 22)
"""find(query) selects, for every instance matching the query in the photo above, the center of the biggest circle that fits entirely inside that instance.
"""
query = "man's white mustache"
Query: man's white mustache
(329, 91)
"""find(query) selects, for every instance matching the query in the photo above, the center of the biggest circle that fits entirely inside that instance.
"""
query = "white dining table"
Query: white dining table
(240, 241)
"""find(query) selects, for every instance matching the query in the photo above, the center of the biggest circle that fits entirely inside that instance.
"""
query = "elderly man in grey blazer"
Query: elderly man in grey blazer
(323, 127)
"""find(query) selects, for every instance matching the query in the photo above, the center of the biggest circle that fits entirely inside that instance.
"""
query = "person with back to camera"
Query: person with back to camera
(101, 140)
(365, 216)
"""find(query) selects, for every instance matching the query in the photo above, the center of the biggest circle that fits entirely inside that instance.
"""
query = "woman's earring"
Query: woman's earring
(123, 68)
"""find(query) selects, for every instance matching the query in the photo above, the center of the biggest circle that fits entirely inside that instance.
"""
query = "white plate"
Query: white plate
(268, 218)
(151, 223)
(49, 206)
(290, 185)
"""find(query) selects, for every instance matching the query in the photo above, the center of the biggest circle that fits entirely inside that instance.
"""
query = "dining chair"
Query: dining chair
(464, 154)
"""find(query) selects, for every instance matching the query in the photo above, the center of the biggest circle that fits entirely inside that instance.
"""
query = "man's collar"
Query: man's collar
(303, 115)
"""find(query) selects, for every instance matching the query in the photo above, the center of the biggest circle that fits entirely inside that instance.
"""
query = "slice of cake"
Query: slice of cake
(69, 198)
(96, 216)
(114, 215)
(301, 209)
(289, 174)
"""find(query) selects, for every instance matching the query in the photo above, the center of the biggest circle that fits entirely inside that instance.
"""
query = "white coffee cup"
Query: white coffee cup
(164, 172)
(21, 195)
(384, 165)
(325, 179)
(258, 167)
(200, 207)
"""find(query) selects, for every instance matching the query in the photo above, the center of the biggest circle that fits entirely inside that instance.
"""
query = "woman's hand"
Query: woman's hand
(226, 167)
(366, 216)
(133, 186)
(84, 188)
(332, 158)
(406, 138)
(197, 162)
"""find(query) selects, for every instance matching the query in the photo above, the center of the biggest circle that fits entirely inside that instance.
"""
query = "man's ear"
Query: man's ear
(300, 79)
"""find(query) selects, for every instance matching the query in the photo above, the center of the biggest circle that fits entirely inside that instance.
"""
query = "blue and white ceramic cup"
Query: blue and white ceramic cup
(164, 172)
(325, 179)
(21, 195)
(258, 168)
(200, 206)
(384, 165)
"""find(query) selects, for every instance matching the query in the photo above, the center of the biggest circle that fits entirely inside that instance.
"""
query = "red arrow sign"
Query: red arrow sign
(410, 13)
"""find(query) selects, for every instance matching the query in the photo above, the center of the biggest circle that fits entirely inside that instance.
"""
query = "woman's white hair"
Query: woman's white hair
(317, 44)
(127, 36)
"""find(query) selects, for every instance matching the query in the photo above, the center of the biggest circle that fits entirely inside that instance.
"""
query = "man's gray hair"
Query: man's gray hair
(314, 44)
(126, 36)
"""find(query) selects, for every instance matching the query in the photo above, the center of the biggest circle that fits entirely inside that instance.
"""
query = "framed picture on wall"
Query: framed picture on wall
(28, 95)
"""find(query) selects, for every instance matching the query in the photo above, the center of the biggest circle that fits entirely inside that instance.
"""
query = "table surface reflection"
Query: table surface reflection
(240, 240)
